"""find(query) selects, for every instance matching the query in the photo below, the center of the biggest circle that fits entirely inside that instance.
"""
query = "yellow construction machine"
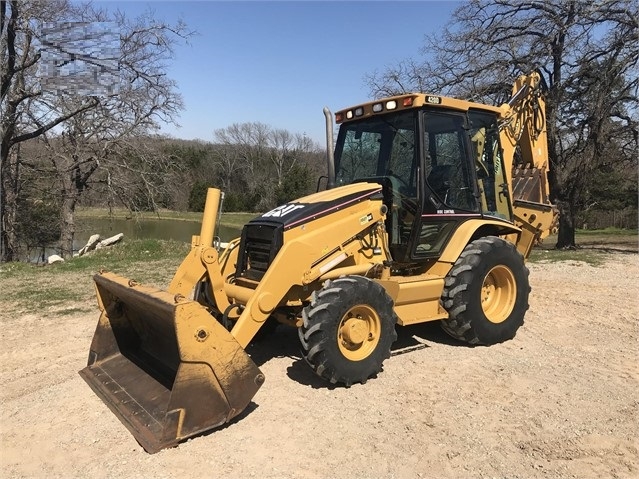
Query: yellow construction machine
(431, 206)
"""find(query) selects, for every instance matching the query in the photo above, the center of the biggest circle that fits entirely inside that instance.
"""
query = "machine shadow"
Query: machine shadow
(281, 342)
(284, 343)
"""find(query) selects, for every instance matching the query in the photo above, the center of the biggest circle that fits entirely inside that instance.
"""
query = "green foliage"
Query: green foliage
(241, 201)
(53, 295)
(612, 189)
(296, 183)
(593, 247)
(606, 233)
(38, 223)
(197, 198)
(130, 251)
(236, 220)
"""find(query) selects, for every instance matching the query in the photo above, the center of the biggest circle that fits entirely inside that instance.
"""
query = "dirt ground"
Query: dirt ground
(560, 400)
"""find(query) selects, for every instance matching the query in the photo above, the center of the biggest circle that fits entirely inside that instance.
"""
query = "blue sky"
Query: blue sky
(280, 63)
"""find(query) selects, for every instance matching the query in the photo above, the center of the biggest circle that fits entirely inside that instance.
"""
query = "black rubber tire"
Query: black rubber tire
(488, 265)
(323, 345)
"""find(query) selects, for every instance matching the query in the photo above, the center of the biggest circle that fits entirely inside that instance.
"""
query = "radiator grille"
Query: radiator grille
(260, 243)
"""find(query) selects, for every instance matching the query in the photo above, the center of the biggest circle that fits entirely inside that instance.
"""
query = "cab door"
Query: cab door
(450, 193)
(495, 198)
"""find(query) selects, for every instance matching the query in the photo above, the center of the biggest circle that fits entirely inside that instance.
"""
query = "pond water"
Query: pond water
(165, 229)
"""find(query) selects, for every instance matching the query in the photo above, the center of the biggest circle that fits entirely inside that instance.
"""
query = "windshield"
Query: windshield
(380, 146)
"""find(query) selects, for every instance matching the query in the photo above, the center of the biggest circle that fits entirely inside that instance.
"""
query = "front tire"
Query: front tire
(486, 292)
(348, 330)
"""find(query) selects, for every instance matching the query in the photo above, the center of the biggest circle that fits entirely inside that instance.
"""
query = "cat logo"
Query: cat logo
(282, 211)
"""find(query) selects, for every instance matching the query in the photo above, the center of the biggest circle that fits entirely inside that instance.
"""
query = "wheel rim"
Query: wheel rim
(498, 294)
(358, 332)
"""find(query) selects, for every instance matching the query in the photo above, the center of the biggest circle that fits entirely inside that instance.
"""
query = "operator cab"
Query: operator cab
(438, 168)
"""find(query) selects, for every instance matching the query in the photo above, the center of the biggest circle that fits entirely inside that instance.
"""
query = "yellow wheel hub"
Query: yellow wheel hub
(358, 332)
(498, 294)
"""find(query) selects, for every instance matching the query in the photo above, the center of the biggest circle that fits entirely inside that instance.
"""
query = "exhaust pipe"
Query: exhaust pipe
(330, 148)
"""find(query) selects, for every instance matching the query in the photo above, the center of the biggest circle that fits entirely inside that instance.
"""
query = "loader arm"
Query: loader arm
(203, 260)
(318, 248)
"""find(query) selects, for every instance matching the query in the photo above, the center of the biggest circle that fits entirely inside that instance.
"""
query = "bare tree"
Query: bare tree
(88, 116)
(286, 150)
(243, 145)
(246, 148)
(281, 154)
(23, 108)
(257, 157)
(588, 52)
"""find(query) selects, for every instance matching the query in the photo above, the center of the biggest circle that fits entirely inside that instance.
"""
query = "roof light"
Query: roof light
(339, 117)
(349, 114)
(391, 105)
(377, 107)
(408, 101)
(359, 111)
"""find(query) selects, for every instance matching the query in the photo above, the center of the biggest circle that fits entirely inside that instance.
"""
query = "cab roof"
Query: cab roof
(409, 101)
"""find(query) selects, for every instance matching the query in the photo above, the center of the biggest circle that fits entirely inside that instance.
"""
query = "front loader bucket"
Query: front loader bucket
(164, 365)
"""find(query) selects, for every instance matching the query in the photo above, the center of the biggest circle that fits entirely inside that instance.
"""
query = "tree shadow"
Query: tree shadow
(613, 249)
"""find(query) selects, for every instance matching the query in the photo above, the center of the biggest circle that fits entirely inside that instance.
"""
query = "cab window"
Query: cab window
(448, 173)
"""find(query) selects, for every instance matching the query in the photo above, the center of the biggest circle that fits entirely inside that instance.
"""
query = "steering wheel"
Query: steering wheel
(400, 180)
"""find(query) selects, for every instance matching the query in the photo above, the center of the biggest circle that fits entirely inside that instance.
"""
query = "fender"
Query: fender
(467, 230)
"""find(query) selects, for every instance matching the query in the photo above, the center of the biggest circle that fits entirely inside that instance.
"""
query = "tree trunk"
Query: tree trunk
(9, 189)
(8, 240)
(566, 236)
(67, 217)
(67, 230)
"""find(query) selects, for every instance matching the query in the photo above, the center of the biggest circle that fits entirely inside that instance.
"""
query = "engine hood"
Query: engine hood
(318, 204)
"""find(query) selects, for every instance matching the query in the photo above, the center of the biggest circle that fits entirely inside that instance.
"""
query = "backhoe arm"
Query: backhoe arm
(525, 144)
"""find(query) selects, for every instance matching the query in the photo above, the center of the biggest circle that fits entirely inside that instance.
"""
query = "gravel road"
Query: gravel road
(560, 400)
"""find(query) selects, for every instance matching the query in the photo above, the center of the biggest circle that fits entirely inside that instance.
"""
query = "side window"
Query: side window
(432, 236)
(489, 164)
(359, 156)
(447, 167)
(402, 160)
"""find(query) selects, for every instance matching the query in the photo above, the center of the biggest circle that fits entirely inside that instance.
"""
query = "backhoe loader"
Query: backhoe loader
(432, 205)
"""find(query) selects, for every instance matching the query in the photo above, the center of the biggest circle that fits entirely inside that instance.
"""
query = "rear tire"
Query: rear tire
(486, 292)
(348, 330)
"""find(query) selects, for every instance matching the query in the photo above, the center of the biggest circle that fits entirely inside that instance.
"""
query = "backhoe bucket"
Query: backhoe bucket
(164, 365)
